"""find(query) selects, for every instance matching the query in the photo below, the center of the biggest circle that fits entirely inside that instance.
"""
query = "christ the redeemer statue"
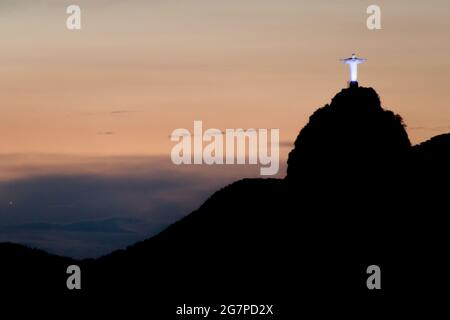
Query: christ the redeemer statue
(353, 64)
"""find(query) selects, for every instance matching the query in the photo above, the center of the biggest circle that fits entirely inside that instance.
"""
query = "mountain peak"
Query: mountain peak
(357, 99)
(353, 131)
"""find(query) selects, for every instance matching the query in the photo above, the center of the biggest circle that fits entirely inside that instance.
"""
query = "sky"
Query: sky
(93, 108)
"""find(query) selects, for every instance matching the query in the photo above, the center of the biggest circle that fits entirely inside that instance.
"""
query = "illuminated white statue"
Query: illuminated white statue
(353, 64)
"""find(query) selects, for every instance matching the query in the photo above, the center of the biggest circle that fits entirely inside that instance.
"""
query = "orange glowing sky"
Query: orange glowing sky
(140, 69)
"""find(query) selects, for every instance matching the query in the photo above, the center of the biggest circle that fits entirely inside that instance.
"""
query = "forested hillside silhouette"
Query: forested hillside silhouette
(356, 194)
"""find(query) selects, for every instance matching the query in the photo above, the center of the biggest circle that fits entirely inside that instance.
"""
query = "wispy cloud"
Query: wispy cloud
(286, 144)
(109, 113)
(123, 111)
(435, 128)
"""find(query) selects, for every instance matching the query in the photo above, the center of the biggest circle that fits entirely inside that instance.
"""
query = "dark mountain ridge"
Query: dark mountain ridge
(356, 194)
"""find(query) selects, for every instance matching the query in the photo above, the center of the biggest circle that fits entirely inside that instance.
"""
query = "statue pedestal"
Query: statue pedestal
(353, 84)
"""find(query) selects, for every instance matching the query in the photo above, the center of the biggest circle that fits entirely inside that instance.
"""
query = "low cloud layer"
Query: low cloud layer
(86, 207)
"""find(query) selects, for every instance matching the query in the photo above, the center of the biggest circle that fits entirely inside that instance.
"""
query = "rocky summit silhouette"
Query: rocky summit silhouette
(354, 131)
(356, 194)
